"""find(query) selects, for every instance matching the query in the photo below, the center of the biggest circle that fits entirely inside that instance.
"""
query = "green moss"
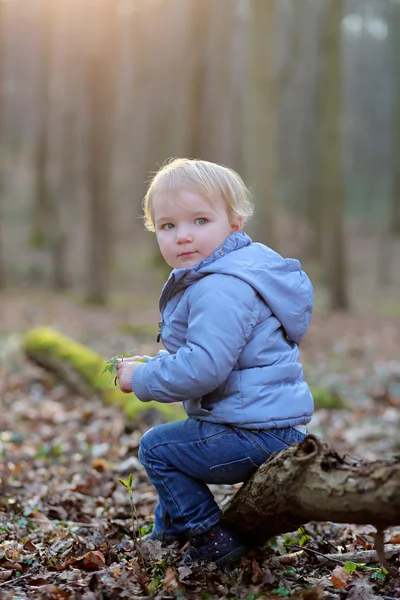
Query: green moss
(47, 347)
(327, 398)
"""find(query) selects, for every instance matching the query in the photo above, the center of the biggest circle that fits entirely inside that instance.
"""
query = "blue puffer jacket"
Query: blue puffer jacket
(232, 324)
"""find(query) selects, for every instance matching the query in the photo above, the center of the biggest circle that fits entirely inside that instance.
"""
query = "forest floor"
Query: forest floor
(66, 521)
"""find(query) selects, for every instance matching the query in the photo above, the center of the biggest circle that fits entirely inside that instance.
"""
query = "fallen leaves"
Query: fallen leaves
(65, 526)
(91, 561)
(340, 578)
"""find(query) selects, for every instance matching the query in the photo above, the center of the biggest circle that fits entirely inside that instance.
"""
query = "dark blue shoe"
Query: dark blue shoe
(219, 544)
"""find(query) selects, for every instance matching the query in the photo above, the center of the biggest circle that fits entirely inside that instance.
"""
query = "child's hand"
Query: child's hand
(125, 370)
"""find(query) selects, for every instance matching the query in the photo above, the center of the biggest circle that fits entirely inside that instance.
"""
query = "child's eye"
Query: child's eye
(201, 221)
(168, 226)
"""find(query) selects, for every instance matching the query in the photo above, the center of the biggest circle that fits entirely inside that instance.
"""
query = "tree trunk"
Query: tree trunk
(2, 279)
(199, 19)
(41, 206)
(64, 149)
(101, 93)
(332, 193)
(395, 44)
(309, 482)
(260, 116)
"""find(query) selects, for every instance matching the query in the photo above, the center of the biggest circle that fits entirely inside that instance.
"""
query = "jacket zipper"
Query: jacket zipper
(159, 332)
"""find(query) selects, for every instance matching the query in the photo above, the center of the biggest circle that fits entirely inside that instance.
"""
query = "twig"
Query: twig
(57, 521)
(16, 579)
(380, 551)
(331, 556)
(364, 556)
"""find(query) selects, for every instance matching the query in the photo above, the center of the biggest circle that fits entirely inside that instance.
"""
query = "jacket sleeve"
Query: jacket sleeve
(222, 314)
(147, 358)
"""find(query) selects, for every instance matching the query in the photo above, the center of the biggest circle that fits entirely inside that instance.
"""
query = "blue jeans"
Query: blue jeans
(181, 458)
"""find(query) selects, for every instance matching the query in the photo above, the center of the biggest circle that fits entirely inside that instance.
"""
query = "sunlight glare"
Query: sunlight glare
(355, 24)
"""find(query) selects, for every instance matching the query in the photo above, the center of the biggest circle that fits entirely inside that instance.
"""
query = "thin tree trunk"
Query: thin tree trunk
(199, 19)
(41, 206)
(101, 92)
(332, 192)
(260, 117)
(395, 200)
(57, 232)
(2, 278)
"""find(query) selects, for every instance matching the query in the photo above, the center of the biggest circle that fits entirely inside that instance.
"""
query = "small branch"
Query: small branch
(364, 556)
(320, 555)
(12, 581)
(56, 521)
(380, 551)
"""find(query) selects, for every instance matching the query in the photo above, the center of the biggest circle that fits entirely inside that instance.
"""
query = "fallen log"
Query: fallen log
(81, 369)
(310, 482)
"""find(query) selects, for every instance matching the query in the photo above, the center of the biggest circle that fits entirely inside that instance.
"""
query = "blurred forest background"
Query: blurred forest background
(301, 97)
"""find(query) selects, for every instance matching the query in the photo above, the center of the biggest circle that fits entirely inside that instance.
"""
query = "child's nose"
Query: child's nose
(183, 235)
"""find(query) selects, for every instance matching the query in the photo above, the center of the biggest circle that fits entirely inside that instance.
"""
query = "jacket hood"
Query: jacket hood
(281, 282)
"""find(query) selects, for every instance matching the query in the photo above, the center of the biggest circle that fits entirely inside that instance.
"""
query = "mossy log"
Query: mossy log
(310, 482)
(81, 369)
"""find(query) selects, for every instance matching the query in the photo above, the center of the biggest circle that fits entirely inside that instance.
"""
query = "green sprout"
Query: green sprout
(128, 486)
(111, 364)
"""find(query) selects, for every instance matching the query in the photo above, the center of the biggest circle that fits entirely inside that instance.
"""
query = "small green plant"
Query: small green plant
(376, 572)
(351, 567)
(290, 571)
(128, 486)
(146, 529)
(111, 364)
(282, 592)
(379, 574)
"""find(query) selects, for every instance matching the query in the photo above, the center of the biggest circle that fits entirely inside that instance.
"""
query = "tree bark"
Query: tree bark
(332, 192)
(101, 57)
(259, 119)
(42, 201)
(2, 279)
(309, 482)
(395, 199)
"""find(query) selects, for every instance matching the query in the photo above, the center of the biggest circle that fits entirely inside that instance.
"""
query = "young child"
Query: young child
(233, 315)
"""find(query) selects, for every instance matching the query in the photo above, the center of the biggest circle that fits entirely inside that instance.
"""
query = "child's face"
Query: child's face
(188, 228)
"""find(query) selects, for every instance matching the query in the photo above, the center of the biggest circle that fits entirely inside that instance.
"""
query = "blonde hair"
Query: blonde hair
(206, 178)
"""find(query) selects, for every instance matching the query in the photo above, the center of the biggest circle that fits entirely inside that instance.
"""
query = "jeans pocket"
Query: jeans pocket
(235, 471)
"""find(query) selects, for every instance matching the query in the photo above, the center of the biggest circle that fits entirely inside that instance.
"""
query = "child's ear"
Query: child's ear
(236, 223)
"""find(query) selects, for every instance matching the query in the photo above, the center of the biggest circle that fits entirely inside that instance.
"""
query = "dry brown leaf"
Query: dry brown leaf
(91, 561)
(30, 546)
(37, 581)
(340, 577)
(53, 592)
(171, 581)
(45, 523)
(257, 573)
(100, 465)
(5, 574)
(363, 542)
(11, 564)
